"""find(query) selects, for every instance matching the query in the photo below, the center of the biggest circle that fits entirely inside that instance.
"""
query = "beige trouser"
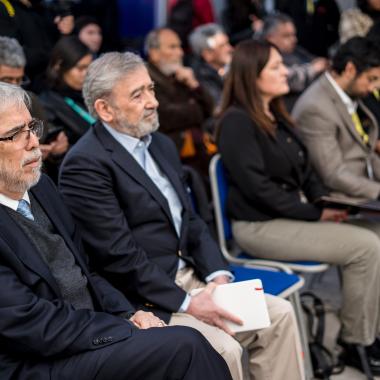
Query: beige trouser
(274, 353)
(355, 249)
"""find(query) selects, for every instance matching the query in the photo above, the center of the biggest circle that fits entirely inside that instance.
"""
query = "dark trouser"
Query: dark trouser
(158, 353)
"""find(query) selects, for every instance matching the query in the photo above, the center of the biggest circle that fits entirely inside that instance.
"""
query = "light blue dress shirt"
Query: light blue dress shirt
(138, 148)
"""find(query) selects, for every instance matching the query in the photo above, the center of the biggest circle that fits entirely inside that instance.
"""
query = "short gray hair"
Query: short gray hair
(152, 40)
(104, 73)
(199, 39)
(12, 95)
(11, 53)
(272, 22)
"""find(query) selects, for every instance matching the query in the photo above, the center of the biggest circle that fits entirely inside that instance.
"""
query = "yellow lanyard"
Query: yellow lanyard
(359, 127)
(310, 7)
(8, 6)
(376, 94)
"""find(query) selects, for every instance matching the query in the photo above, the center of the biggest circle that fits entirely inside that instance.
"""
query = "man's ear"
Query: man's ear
(104, 110)
(207, 55)
(350, 70)
(154, 55)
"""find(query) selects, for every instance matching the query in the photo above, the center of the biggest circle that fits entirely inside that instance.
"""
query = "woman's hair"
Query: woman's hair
(82, 21)
(65, 55)
(249, 59)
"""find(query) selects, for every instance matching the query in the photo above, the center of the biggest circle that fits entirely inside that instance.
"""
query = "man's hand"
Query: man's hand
(333, 215)
(204, 308)
(45, 150)
(145, 320)
(60, 145)
(320, 64)
(186, 76)
(220, 280)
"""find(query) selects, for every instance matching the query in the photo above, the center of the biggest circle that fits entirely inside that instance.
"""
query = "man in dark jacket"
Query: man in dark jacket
(185, 105)
(57, 319)
(124, 183)
(212, 54)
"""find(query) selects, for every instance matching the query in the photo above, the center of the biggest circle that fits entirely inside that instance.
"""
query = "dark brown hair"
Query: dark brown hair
(66, 53)
(249, 59)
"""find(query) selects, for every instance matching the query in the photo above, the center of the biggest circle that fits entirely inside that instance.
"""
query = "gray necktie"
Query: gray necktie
(24, 209)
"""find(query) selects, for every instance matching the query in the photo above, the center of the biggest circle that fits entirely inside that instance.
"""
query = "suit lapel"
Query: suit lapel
(22, 247)
(127, 163)
(174, 179)
(342, 110)
(167, 168)
(46, 204)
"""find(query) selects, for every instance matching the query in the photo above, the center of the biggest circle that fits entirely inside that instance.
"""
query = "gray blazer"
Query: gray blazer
(336, 149)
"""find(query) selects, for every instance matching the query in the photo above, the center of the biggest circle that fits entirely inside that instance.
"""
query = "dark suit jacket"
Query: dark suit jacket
(126, 222)
(265, 176)
(36, 325)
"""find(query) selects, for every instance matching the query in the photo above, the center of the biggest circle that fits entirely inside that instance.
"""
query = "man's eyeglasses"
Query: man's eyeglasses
(22, 136)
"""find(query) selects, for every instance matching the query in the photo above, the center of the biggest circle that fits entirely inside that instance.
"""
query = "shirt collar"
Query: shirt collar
(350, 104)
(128, 142)
(11, 203)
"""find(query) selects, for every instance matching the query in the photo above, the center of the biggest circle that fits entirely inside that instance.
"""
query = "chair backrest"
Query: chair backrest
(219, 190)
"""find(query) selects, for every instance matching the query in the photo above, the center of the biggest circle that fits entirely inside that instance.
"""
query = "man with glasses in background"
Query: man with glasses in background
(57, 319)
(12, 71)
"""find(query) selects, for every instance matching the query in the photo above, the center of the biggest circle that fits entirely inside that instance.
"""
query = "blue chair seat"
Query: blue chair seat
(219, 187)
(244, 255)
(275, 282)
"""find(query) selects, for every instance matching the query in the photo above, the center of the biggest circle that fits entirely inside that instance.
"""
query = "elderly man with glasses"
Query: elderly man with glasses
(12, 71)
(58, 320)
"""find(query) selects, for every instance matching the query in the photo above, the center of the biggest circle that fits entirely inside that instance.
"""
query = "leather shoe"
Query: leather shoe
(364, 358)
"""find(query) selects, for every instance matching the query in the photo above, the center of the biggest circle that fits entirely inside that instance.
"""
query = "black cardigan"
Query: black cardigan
(264, 174)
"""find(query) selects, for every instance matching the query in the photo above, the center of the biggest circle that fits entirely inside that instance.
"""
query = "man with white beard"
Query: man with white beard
(124, 184)
(57, 319)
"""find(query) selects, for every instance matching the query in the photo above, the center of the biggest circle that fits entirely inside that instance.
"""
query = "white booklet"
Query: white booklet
(244, 299)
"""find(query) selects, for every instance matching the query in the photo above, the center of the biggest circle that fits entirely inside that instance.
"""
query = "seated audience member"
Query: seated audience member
(316, 21)
(185, 15)
(339, 131)
(12, 71)
(242, 18)
(32, 25)
(303, 67)
(124, 183)
(58, 320)
(212, 54)
(63, 101)
(89, 32)
(273, 187)
(184, 104)
(109, 14)
(356, 22)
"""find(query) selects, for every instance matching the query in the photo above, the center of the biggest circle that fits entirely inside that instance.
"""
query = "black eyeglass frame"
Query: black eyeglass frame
(36, 126)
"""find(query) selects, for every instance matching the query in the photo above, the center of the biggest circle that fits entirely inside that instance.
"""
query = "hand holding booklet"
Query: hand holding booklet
(352, 206)
(244, 299)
